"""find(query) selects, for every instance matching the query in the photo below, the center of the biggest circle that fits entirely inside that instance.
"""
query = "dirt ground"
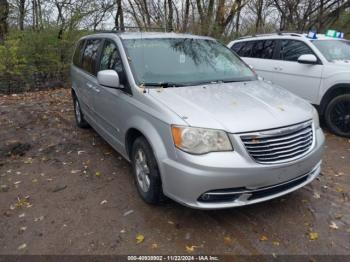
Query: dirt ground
(65, 191)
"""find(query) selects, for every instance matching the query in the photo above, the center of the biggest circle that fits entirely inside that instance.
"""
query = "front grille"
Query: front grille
(279, 145)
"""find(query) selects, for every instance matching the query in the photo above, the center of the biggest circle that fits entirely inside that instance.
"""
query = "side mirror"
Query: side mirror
(307, 59)
(108, 78)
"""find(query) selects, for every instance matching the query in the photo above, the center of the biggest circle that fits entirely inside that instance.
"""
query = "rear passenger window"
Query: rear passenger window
(246, 49)
(90, 55)
(269, 48)
(78, 53)
(291, 50)
(236, 47)
(263, 49)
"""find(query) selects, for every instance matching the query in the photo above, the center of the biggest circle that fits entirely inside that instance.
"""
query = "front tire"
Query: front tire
(337, 115)
(79, 116)
(146, 173)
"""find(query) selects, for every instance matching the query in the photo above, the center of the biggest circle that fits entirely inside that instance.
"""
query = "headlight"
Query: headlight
(199, 140)
(316, 118)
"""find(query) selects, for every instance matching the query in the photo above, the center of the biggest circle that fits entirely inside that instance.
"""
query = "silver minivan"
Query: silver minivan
(195, 122)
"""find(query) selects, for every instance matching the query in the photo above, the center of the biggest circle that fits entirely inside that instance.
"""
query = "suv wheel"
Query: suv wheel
(146, 171)
(337, 115)
(79, 117)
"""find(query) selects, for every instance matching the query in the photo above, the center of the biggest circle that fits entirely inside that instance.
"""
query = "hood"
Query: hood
(345, 63)
(235, 107)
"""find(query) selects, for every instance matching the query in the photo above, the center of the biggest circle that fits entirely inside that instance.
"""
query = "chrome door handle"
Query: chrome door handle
(93, 87)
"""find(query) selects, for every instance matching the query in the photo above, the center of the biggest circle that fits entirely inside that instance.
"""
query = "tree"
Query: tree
(4, 12)
(119, 17)
(22, 13)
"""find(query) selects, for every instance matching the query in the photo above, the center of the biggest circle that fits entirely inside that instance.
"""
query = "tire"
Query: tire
(146, 173)
(79, 116)
(337, 115)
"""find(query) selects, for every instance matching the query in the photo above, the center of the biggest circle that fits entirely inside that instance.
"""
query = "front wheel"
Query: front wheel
(146, 172)
(79, 116)
(337, 115)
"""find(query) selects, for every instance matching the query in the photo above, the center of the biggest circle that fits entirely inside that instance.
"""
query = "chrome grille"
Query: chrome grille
(279, 145)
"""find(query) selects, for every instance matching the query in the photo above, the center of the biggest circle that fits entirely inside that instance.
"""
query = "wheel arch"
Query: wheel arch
(334, 91)
(150, 133)
(131, 135)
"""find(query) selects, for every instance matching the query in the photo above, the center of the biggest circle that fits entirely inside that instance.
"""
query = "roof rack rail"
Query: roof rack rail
(121, 29)
(272, 34)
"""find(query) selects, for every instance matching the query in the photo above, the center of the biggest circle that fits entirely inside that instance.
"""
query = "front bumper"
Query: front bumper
(188, 177)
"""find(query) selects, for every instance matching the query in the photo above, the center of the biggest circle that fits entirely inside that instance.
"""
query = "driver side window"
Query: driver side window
(291, 50)
(111, 60)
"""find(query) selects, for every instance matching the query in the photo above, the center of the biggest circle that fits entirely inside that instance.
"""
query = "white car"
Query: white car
(316, 69)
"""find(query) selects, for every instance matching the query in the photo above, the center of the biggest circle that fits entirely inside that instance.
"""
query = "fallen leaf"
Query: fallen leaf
(276, 243)
(317, 195)
(333, 225)
(29, 160)
(128, 212)
(263, 238)
(228, 240)
(338, 216)
(190, 248)
(98, 174)
(22, 202)
(313, 236)
(154, 246)
(4, 188)
(339, 189)
(139, 239)
(38, 218)
(23, 246)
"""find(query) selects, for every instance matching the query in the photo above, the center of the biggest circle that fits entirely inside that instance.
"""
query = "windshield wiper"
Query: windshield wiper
(219, 81)
(164, 84)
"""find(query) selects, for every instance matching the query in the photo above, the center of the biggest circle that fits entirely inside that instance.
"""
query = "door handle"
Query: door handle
(93, 87)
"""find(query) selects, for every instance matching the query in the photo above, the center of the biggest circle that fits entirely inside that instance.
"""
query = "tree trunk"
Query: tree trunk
(21, 14)
(201, 16)
(40, 16)
(238, 17)
(146, 13)
(119, 18)
(134, 14)
(187, 12)
(4, 13)
(170, 16)
(259, 9)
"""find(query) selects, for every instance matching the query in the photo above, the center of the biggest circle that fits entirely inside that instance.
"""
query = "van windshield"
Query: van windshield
(333, 49)
(184, 61)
